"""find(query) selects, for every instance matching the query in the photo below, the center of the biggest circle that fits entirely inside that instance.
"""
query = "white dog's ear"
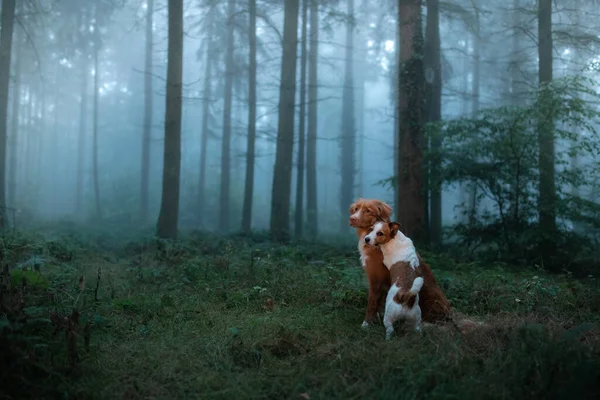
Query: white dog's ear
(394, 228)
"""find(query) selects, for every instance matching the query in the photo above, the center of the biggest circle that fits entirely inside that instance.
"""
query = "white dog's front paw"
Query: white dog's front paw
(365, 324)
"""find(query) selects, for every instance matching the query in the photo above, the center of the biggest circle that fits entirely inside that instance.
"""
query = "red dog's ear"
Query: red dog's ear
(394, 228)
(385, 211)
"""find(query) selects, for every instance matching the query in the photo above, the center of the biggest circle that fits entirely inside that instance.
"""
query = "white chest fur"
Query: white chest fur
(400, 249)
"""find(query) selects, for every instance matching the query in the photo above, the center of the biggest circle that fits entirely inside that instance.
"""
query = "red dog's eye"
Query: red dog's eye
(379, 233)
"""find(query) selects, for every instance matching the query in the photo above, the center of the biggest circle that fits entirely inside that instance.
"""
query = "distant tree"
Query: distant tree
(147, 128)
(224, 199)
(547, 183)
(82, 38)
(433, 101)
(97, 45)
(169, 208)
(348, 139)
(250, 156)
(299, 215)
(411, 212)
(282, 174)
(311, 137)
(14, 137)
(7, 20)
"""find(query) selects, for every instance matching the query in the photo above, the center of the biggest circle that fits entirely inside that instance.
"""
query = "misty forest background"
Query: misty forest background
(279, 114)
(180, 170)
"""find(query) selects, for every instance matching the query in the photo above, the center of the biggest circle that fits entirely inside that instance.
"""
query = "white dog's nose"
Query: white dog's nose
(367, 239)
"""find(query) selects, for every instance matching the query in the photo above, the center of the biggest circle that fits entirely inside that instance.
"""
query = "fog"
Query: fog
(51, 118)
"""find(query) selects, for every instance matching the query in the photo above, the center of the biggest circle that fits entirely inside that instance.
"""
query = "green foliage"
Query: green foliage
(498, 151)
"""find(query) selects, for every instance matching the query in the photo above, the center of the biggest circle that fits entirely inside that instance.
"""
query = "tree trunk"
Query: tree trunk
(147, 133)
(433, 77)
(249, 183)
(410, 128)
(547, 184)
(7, 20)
(299, 217)
(207, 94)
(348, 140)
(82, 134)
(14, 139)
(311, 138)
(226, 143)
(169, 207)
(472, 189)
(282, 175)
(95, 137)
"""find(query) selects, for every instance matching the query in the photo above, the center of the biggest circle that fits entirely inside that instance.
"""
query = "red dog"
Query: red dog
(364, 213)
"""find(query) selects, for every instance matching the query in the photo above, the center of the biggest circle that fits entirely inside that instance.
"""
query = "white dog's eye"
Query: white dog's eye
(379, 233)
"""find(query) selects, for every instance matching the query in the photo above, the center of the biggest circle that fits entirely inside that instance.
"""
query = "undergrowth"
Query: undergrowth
(240, 317)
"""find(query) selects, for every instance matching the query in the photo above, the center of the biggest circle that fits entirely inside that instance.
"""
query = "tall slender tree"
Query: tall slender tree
(249, 182)
(299, 216)
(169, 208)
(206, 94)
(547, 183)
(14, 137)
(83, 107)
(433, 101)
(282, 175)
(311, 136)
(147, 130)
(410, 124)
(97, 45)
(348, 140)
(224, 200)
(7, 19)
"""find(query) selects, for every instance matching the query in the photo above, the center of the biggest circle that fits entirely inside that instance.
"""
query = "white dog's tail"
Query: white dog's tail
(409, 298)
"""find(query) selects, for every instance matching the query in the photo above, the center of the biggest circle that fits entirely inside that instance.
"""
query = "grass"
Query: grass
(212, 318)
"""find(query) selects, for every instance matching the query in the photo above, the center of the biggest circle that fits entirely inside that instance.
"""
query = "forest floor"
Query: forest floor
(239, 318)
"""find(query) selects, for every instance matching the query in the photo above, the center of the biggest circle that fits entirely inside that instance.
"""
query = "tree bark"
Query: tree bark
(475, 85)
(410, 102)
(147, 132)
(14, 139)
(547, 184)
(95, 122)
(7, 20)
(433, 78)
(299, 216)
(282, 175)
(207, 94)
(249, 182)
(224, 200)
(348, 140)
(169, 208)
(311, 137)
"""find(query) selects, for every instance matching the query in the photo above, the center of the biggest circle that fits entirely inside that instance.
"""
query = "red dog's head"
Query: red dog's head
(365, 212)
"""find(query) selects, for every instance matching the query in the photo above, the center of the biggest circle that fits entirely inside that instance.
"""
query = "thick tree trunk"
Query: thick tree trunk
(410, 103)
(95, 137)
(224, 200)
(169, 208)
(547, 184)
(282, 175)
(311, 137)
(147, 132)
(14, 137)
(6, 36)
(433, 78)
(250, 148)
(207, 94)
(348, 140)
(299, 217)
